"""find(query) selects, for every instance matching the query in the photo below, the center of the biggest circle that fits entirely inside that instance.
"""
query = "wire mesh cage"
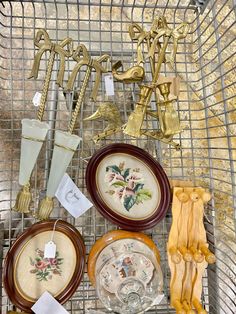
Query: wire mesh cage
(205, 62)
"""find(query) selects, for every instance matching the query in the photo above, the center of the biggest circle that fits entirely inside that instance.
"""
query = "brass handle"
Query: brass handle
(46, 86)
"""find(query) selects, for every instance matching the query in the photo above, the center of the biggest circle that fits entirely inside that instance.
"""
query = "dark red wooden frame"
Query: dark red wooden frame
(125, 223)
(8, 275)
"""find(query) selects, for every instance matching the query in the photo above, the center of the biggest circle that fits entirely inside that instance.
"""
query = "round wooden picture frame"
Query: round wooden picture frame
(153, 173)
(62, 229)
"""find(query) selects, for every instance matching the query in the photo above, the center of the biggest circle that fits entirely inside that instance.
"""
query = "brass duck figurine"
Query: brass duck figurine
(134, 74)
(108, 112)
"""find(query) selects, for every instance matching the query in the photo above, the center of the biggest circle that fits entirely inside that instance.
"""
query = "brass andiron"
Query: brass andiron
(34, 131)
(66, 143)
(134, 74)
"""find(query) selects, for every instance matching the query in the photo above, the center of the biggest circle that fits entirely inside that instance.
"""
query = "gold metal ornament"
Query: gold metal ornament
(110, 113)
(134, 74)
(23, 200)
(135, 120)
(169, 120)
(81, 56)
(62, 150)
(44, 43)
(156, 40)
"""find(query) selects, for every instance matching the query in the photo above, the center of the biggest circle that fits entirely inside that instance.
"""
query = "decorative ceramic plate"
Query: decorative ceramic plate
(27, 274)
(124, 267)
(128, 186)
(117, 241)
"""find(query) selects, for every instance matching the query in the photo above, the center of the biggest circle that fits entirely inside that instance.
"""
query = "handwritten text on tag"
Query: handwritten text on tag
(70, 196)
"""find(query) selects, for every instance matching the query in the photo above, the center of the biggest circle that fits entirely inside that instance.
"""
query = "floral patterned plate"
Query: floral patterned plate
(28, 274)
(128, 186)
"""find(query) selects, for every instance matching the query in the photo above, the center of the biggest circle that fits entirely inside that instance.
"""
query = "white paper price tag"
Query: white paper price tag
(70, 196)
(36, 99)
(47, 304)
(50, 250)
(158, 299)
(109, 85)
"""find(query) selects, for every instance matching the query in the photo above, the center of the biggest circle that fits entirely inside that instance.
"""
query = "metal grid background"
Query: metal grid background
(206, 65)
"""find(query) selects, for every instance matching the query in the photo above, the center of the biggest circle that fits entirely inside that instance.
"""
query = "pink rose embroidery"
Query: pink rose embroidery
(40, 265)
(45, 268)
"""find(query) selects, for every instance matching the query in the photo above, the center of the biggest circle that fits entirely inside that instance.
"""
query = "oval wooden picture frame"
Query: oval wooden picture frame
(153, 166)
(8, 270)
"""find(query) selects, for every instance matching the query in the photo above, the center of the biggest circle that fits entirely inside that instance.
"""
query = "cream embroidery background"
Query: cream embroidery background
(137, 212)
(26, 282)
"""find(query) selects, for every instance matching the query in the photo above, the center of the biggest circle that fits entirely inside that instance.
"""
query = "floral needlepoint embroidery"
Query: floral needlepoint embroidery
(45, 268)
(126, 185)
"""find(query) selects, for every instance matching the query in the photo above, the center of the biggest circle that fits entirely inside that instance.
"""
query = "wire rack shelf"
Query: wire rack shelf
(206, 65)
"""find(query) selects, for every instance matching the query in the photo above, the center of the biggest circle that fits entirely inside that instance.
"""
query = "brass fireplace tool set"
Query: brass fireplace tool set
(187, 247)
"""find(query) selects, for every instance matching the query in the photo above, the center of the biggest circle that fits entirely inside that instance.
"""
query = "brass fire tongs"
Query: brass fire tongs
(66, 143)
(44, 43)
